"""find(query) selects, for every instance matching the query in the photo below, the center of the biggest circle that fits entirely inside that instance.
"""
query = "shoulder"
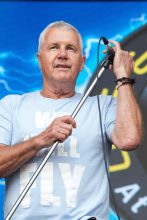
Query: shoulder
(14, 99)
(105, 100)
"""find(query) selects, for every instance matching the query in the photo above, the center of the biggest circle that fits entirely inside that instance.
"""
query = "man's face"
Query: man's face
(60, 56)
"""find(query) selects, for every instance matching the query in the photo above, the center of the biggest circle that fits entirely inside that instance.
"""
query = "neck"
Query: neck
(57, 93)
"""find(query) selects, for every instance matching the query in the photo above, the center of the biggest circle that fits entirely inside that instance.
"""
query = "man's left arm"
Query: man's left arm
(127, 132)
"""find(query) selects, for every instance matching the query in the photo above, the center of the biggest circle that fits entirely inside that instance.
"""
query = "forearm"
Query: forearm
(13, 157)
(127, 133)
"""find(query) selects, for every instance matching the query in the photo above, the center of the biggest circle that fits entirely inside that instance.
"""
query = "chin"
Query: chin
(64, 77)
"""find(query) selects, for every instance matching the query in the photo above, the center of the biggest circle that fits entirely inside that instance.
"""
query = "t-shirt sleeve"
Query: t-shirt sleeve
(5, 121)
(110, 117)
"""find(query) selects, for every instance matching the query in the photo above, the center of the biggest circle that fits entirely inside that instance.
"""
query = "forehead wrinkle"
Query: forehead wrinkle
(52, 37)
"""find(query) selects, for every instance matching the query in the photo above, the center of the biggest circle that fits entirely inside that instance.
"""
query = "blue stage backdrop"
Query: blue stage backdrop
(21, 23)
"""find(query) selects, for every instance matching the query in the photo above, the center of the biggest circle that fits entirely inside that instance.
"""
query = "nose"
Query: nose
(62, 54)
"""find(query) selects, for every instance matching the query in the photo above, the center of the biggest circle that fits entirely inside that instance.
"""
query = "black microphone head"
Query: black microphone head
(92, 218)
(110, 50)
(106, 42)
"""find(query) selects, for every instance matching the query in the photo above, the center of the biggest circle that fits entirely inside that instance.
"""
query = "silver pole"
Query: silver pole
(35, 175)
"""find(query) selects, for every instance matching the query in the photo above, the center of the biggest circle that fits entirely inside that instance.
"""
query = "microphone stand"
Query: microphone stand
(104, 65)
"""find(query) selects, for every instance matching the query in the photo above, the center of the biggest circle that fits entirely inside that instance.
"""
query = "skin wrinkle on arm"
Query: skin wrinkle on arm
(13, 157)
(128, 126)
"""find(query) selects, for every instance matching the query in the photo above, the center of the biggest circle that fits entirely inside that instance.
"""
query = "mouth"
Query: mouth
(62, 66)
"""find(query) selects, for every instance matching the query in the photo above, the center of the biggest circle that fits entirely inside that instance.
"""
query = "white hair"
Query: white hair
(59, 24)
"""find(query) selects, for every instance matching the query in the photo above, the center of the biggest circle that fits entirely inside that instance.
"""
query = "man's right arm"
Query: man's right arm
(13, 157)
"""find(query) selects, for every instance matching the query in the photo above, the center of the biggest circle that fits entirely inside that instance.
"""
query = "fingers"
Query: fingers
(110, 67)
(68, 120)
(117, 45)
(65, 129)
(61, 128)
(104, 51)
(123, 63)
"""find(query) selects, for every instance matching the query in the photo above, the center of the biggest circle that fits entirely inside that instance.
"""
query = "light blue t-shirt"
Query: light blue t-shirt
(73, 184)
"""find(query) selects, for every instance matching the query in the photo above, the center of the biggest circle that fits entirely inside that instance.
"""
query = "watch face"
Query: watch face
(129, 169)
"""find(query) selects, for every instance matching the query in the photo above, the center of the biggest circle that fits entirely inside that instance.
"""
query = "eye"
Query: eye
(70, 48)
(54, 47)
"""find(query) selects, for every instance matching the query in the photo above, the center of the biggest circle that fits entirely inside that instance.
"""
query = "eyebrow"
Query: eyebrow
(53, 44)
(68, 45)
(71, 45)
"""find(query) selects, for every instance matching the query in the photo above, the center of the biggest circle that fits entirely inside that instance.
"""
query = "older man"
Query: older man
(73, 184)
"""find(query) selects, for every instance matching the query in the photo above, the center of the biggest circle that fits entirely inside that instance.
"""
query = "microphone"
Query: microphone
(110, 51)
(106, 42)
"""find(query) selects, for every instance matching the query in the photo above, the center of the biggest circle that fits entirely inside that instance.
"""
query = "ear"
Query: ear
(38, 56)
(83, 59)
(39, 59)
